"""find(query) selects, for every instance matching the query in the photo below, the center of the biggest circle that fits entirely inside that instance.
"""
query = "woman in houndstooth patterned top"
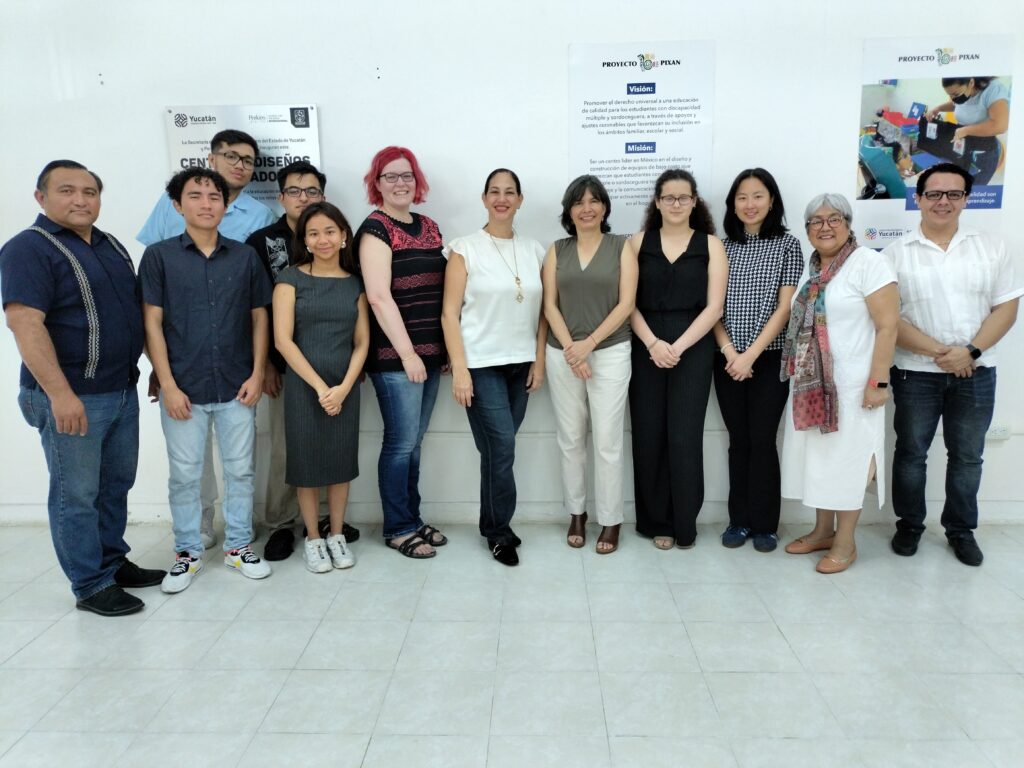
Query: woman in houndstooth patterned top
(765, 263)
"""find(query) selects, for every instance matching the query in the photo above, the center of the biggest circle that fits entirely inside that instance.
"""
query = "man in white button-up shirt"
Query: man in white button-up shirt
(959, 297)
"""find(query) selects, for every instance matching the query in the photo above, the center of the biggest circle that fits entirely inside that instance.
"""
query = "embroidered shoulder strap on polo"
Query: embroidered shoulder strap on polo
(91, 315)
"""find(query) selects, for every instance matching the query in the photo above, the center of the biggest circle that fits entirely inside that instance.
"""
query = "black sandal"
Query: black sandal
(408, 547)
(577, 528)
(429, 533)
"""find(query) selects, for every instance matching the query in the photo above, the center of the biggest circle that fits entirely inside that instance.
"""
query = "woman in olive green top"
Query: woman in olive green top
(589, 292)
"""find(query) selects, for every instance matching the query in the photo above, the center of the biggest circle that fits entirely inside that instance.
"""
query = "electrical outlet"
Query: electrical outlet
(998, 432)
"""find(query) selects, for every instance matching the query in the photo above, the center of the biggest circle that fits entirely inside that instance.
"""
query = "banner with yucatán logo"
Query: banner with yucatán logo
(636, 109)
(924, 101)
(284, 133)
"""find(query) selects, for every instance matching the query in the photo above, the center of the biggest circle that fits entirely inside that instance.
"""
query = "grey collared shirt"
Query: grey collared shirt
(207, 304)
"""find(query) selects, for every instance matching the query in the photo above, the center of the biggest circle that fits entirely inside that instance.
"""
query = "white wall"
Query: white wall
(469, 86)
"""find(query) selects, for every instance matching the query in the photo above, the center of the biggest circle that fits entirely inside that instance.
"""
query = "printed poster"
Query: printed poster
(284, 134)
(635, 110)
(928, 100)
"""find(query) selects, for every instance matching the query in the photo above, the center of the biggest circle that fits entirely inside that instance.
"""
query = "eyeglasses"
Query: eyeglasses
(833, 221)
(936, 194)
(673, 199)
(392, 178)
(234, 158)
(312, 193)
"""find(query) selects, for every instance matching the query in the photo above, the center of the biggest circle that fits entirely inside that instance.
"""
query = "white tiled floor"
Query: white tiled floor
(709, 657)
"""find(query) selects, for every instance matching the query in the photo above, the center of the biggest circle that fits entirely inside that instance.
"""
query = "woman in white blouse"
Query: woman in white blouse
(494, 331)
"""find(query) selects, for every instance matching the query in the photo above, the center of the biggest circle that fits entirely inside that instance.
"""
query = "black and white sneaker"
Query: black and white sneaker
(185, 569)
(247, 562)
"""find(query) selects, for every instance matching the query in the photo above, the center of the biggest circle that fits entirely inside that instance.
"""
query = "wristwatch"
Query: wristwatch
(874, 384)
(975, 352)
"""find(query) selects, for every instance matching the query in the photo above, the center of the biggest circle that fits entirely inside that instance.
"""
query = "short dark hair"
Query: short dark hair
(945, 168)
(232, 136)
(577, 188)
(495, 172)
(774, 224)
(50, 167)
(980, 81)
(178, 181)
(700, 216)
(348, 252)
(300, 168)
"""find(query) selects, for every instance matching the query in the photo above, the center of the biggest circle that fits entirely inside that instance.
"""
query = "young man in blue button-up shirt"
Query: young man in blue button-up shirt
(207, 333)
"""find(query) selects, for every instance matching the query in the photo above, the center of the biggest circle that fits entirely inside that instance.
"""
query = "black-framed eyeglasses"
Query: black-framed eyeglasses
(671, 200)
(234, 158)
(392, 178)
(311, 193)
(936, 194)
(833, 221)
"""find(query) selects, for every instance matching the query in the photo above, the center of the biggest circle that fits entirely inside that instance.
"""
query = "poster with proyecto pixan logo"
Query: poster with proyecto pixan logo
(284, 133)
(929, 100)
(635, 110)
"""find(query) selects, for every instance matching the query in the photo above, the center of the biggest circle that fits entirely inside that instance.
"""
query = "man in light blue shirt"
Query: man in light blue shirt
(233, 155)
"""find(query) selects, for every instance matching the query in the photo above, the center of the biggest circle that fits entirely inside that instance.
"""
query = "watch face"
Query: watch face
(975, 352)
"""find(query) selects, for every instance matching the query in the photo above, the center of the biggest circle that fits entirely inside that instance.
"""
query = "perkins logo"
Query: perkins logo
(942, 57)
(640, 89)
(300, 117)
(645, 61)
(640, 147)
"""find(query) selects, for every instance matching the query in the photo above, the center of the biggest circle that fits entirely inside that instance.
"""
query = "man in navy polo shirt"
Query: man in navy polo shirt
(204, 309)
(71, 299)
(233, 154)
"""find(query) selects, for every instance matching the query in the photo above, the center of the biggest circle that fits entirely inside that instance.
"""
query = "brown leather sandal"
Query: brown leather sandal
(609, 535)
(577, 529)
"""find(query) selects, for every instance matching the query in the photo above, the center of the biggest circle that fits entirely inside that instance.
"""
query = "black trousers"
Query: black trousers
(751, 411)
(667, 408)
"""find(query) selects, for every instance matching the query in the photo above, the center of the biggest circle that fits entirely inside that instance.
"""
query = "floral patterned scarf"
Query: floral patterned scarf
(807, 355)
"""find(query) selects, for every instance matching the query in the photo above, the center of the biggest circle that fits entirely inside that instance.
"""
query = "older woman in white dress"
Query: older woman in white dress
(838, 350)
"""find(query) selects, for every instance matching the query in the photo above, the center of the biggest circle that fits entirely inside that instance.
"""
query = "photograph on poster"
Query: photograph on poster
(910, 124)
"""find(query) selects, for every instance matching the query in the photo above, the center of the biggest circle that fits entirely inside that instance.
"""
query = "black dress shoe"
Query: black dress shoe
(966, 550)
(131, 576)
(324, 528)
(112, 601)
(505, 554)
(905, 543)
(279, 545)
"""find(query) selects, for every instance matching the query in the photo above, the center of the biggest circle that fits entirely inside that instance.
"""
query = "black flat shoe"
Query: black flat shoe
(505, 554)
(112, 601)
(904, 543)
(966, 550)
(131, 576)
(280, 545)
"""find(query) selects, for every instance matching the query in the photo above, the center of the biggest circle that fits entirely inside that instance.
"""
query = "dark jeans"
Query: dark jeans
(751, 411)
(90, 476)
(499, 405)
(965, 407)
(405, 408)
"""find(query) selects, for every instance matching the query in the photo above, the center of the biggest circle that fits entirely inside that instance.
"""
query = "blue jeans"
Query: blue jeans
(90, 476)
(498, 408)
(235, 427)
(965, 407)
(405, 408)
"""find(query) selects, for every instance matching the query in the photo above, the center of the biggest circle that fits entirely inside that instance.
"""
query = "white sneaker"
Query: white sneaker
(206, 532)
(317, 559)
(248, 562)
(341, 555)
(185, 569)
